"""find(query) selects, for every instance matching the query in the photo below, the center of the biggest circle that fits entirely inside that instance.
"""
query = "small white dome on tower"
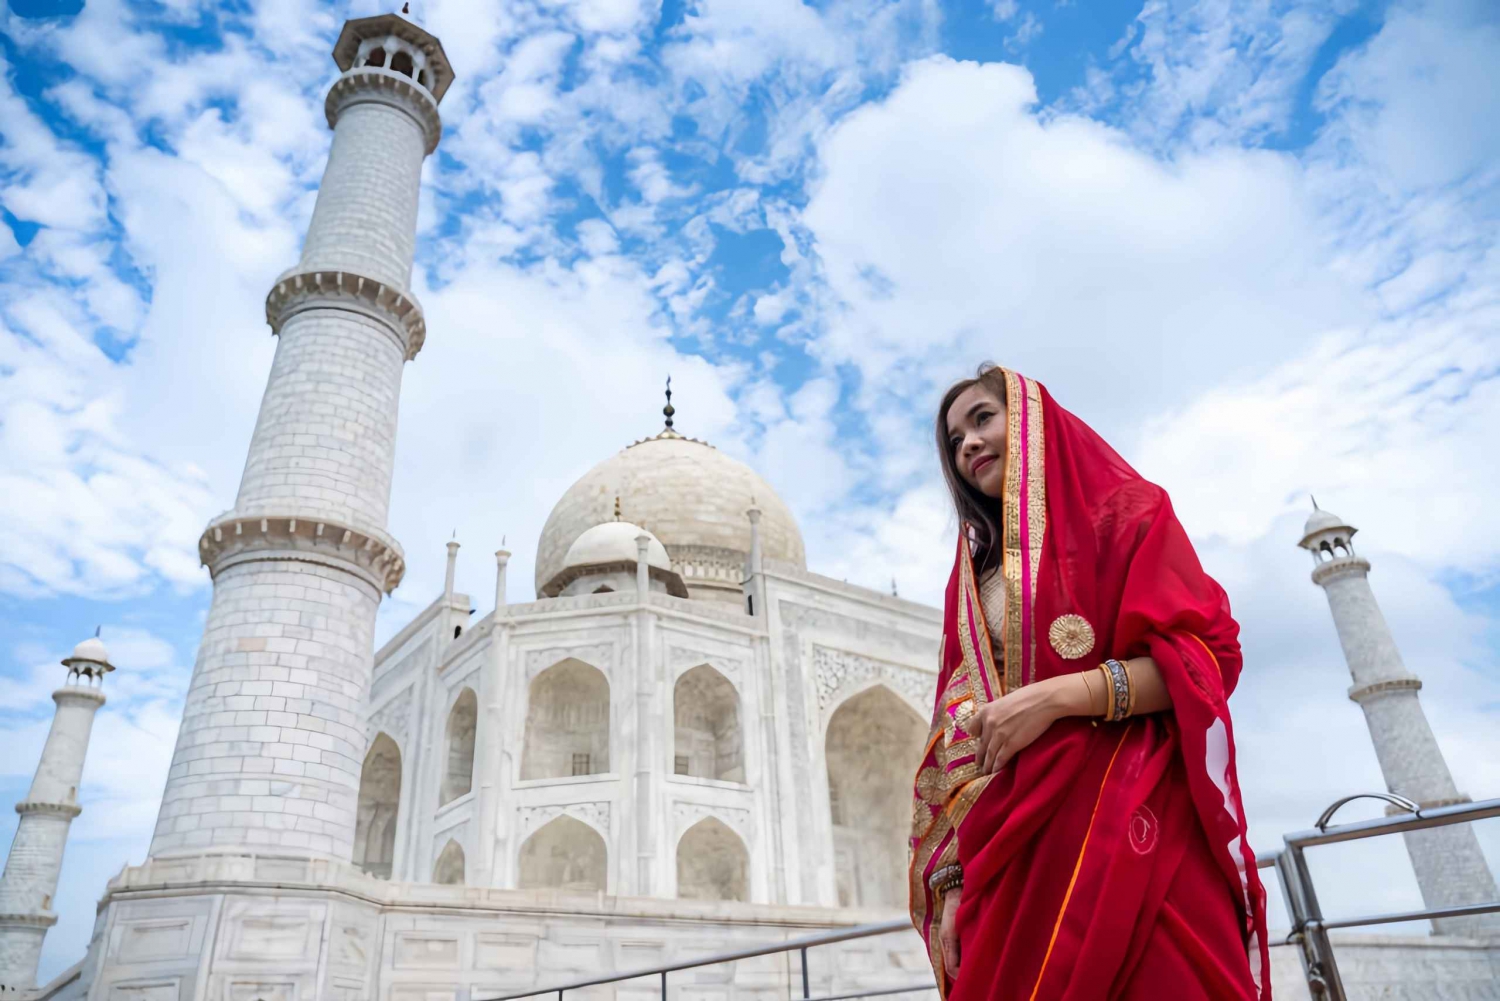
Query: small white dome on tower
(614, 542)
(89, 660)
(1321, 520)
(91, 649)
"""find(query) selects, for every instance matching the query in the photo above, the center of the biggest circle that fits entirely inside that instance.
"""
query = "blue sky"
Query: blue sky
(1253, 242)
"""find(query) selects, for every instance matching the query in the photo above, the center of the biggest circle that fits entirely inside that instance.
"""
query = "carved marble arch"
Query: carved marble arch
(458, 772)
(449, 867)
(873, 742)
(712, 863)
(379, 804)
(708, 738)
(564, 854)
(567, 722)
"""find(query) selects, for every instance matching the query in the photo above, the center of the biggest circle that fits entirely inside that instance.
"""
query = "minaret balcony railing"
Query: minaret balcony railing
(31, 919)
(1340, 566)
(236, 538)
(1385, 686)
(68, 810)
(398, 311)
(374, 84)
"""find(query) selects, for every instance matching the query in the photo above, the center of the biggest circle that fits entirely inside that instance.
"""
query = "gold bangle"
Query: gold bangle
(1130, 687)
(1109, 686)
(1088, 688)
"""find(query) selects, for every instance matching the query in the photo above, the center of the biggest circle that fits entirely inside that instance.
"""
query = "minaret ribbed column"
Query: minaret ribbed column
(1449, 864)
(36, 853)
(272, 737)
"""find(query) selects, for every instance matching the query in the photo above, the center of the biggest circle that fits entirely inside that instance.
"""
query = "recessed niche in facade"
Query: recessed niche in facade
(872, 740)
(567, 722)
(458, 778)
(708, 739)
(449, 867)
(565, 854)
(712, 863)
(379, 800)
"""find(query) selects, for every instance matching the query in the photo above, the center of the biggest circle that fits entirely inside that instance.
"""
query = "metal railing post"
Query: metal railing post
(806, 990)
(663, 985)
(1318, 964)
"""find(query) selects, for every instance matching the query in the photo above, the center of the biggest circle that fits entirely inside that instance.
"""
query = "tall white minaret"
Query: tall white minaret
(272, 738)
(47, 812)
(1450, 867)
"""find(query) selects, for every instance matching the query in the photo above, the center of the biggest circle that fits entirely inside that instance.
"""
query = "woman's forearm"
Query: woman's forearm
(1086, 693)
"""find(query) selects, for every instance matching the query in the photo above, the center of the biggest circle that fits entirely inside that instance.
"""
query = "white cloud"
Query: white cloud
(1055, 246)
(1419, 103)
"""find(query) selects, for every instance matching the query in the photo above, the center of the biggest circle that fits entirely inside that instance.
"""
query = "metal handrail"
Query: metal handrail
(1440, 816)
(1309, 927)
(790, 945)
(1408, 805)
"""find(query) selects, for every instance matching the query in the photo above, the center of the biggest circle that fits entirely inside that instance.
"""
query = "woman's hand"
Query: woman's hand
(948, 930)
(1011, 723)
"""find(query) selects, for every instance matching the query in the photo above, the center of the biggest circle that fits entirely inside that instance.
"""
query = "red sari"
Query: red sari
(1106, 860)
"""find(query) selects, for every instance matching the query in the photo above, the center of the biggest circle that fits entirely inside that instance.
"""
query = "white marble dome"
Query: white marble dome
(614, 542)
(691, 497)
(91, 650)
(1322, 521)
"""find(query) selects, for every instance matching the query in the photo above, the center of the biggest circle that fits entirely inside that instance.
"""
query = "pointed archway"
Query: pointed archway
(708, 741)
(564, 854)
(449, 867)
(567, 722)
(871, 743)
(712, 863)
(379, 804)
(458, 776)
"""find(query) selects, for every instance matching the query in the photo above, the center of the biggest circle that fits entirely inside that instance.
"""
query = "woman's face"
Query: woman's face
(976, 438)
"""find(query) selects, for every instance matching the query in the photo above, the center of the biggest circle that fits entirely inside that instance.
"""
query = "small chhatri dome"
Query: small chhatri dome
(363, 37)
(1321, 521)
(91, 650)
(610, 550)
(614, 542)
(89, 658)
(691, 497)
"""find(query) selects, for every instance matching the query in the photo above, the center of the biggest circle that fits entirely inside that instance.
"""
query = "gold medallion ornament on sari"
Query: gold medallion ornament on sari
(1071, 636)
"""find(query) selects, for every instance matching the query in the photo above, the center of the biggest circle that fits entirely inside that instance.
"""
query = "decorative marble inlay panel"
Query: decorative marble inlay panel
(683, 658)
(388, 675)
(839, 673)
(685, 815)
(500, 951)
(353, 938)
(393, 718)
(600, 655)
(155, 990)
(414, 951)
(260, 932)
(596, 815)
(261, 990)
(162, 938)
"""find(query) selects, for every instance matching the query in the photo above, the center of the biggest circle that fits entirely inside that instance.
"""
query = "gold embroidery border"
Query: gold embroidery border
(924, 901)
(974, 660)
(1036, 504)
(1022, 451)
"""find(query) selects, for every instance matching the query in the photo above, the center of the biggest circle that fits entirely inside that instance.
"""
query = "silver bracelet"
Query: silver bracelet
(1119, 695)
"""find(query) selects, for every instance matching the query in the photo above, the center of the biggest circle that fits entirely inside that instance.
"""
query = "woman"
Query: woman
(1078, 831)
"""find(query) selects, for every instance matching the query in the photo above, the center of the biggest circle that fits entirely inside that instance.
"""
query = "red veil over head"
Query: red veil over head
(1070, 851)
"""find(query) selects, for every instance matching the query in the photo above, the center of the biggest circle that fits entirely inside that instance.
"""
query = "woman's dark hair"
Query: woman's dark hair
(973, 507)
